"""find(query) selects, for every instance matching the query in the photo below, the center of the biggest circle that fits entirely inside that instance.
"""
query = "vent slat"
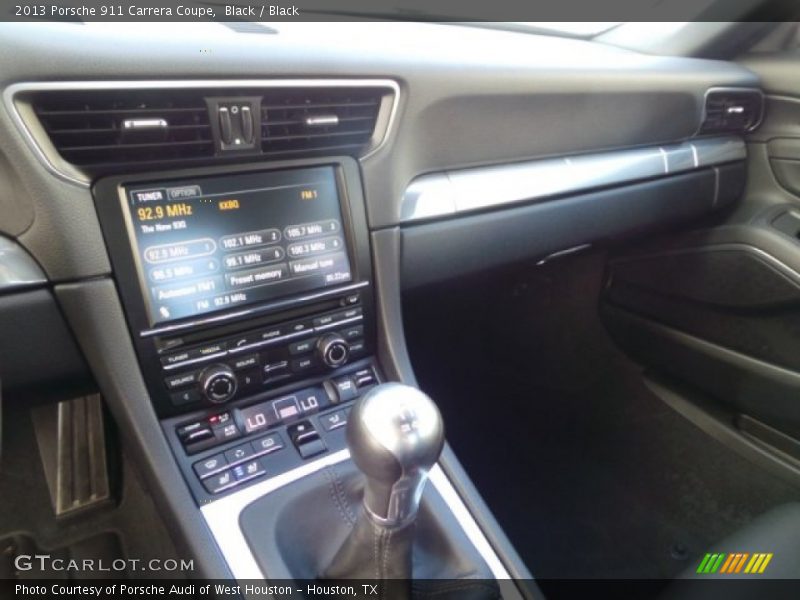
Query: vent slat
(317, 135)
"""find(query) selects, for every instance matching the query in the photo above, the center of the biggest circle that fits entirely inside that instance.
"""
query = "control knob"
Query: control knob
(218, 383)
(333, 350)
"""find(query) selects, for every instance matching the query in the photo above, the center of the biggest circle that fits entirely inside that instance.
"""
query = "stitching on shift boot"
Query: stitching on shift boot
(337, 496)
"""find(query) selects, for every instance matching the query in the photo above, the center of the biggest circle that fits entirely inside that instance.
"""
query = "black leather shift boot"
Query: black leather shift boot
(373, 552)
(313, 528)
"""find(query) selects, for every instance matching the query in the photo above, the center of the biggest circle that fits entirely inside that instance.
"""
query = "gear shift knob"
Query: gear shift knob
(395, 435)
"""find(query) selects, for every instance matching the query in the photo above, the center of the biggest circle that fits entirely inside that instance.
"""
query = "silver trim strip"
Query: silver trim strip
(41, 146)
(17, 267)
(441, 194)
(222, 518)
(263, 308)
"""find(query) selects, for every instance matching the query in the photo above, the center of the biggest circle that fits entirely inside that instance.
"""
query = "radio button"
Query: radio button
(353, 333)
(271, 333)
(174, 359)
(181, 380)
(208, 350)
(249, 380)
(302, 365)
(351, 300)
(302, 347)
(185, 397)
(324, 320)
(244, 362)
(300, 326)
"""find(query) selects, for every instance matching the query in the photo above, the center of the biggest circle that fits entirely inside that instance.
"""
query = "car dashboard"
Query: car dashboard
(229, 340)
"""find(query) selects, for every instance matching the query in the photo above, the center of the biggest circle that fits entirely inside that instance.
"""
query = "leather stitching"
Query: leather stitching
(338, 496)
(387, 545)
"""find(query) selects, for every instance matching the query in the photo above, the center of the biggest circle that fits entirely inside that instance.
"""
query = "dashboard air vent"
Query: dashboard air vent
(106, 127)
(333, 121)
(732, 111)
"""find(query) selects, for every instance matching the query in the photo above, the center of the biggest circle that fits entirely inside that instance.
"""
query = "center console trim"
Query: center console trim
(222, 518)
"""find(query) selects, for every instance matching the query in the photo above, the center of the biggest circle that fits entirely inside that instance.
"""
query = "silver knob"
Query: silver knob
(395, 435)
(333, 350)
(218, 383)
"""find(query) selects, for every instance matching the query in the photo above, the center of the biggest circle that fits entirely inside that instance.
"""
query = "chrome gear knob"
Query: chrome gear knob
(395, 435)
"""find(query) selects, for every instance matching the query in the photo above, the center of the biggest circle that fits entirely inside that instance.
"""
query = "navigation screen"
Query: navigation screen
(208, 244)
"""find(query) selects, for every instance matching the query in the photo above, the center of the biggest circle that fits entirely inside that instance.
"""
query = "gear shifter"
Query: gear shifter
(395, 435)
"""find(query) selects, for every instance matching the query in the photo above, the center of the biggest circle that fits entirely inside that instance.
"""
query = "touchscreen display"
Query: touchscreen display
(213, 243)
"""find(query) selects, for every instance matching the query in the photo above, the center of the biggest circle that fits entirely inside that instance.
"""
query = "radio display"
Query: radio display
(213, 243)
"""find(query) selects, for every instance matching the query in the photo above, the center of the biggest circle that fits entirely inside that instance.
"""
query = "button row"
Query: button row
(223, 427)
(261, 338)
(219, 462)
(254, 369)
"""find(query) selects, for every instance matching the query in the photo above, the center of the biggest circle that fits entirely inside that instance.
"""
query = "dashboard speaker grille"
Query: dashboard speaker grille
(732, 111)
(107, 127)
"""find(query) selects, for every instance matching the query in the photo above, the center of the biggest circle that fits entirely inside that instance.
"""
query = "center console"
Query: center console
(248, 294)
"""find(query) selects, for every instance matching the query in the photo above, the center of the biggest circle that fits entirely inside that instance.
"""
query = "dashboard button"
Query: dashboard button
(324, 320)
(185, 397)
(351, 300)
(226, 433)
(249, 470)
(249, 380)
(364, 377)
(345, 389)
(210, 465)
(334, 420)
(239, 454)
(302, 365)
(353, 333)
(181, 380)
(302, 347)
(219, 482)
(244, 362)
(267, 445)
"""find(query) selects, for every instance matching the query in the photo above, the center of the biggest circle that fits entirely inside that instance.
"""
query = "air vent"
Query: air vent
(115, 127)
(732, 111)
(331, 121)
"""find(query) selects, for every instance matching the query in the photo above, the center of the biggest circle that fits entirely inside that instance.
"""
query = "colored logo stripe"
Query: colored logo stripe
(734, 563)
(758, 563)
